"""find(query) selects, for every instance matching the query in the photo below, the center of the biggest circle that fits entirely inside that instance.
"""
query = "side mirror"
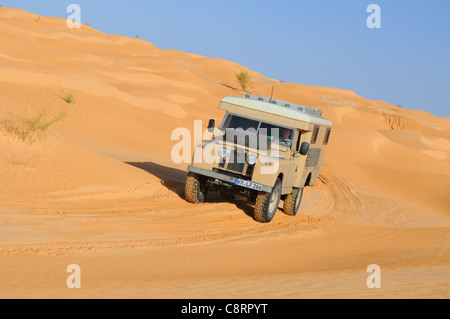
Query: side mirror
(304, 149)
(211, 126)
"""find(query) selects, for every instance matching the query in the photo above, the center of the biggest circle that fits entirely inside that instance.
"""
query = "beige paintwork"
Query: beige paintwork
(295, 170)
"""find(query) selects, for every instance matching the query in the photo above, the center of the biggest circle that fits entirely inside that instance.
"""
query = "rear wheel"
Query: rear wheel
(267, 204)
(195, 190)
(292, 202)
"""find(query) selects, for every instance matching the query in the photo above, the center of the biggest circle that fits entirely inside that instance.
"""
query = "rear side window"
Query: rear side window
(315, 135)
(327, 136)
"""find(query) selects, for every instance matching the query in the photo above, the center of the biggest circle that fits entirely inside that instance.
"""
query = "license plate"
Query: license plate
(247, 184)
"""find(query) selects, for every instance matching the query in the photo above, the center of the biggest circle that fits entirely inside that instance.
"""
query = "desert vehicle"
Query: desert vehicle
(265, 149)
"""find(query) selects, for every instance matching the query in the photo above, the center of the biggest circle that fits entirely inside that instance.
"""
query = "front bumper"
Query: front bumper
(225, 178)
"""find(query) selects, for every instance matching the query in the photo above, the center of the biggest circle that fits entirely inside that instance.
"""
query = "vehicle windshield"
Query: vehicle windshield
(238, 122)
(277, 134)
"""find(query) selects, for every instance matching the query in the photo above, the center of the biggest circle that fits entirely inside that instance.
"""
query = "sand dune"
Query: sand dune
(100, 188)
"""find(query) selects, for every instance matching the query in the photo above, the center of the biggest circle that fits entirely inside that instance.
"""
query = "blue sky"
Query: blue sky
(321, 42)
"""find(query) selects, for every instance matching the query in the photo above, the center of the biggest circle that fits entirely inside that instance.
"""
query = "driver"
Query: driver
(286, 134)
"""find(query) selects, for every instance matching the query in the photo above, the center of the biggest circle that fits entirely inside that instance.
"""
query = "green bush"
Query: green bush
(68, 97)
(31, 128)
(243, 79)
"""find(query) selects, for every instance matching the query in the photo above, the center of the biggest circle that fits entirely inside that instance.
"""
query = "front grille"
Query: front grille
(222, 163)
(237, 163)
(236, 167)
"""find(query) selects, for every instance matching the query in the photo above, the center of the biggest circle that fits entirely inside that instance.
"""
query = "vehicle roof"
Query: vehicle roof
(279, 108)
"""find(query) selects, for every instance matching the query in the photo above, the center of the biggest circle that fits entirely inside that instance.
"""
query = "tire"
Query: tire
(194, 190)
(292, 203)
(267, 204)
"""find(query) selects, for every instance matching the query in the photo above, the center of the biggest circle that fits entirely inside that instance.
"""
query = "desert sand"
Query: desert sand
(100, 189)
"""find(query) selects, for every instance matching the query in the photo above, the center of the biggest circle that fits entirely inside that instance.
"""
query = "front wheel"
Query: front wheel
(267, 204)
(195, 190)
(292, 202)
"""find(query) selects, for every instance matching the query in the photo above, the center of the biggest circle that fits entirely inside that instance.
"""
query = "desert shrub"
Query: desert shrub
(243, 79)
(31, 128)
(15, 160)
(68, 97)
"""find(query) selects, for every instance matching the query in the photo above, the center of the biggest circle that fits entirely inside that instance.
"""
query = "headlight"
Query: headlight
(251, 159)
(224, 152)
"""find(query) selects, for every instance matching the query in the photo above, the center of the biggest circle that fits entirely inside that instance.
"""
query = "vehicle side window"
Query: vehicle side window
(327, 136)
(315, 135)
